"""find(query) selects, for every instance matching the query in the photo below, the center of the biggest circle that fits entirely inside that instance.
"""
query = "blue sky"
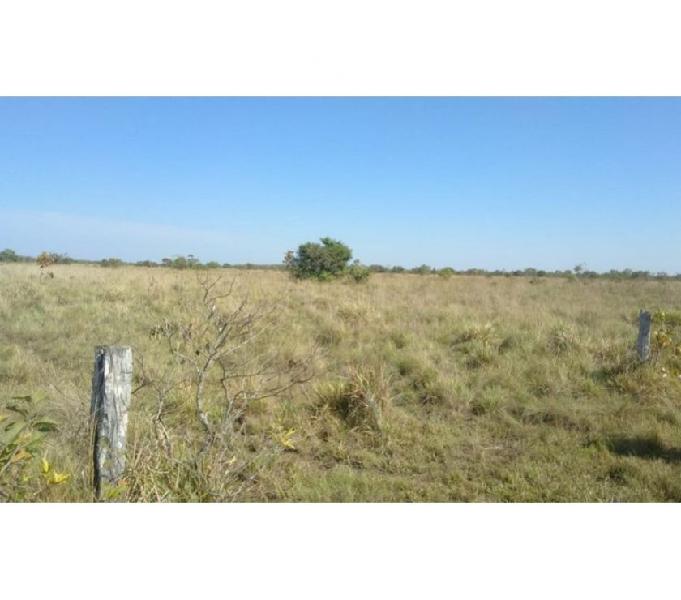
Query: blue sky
(468, 182)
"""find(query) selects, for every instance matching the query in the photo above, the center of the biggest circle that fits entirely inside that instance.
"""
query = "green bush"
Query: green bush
(322, 261)
(22, 432)
(358, 272)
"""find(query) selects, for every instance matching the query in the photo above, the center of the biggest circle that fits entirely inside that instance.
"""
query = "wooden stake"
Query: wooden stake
(643, 344)
(111, 393)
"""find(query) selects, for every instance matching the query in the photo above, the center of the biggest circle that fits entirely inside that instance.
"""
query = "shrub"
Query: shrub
(319, 261)
(46, 260)
(666, 342)
(111, 262)
(358, 272)
(446, 273)
(215, 362)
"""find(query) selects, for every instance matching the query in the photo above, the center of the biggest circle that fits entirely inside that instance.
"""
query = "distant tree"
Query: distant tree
(111, 262)
(289, 260)
(182, 262)
(55, 258)
(446, 273)
(45, 259)
(9, 256)
(212, 265)
(146, 263)
(397, 269)
(319, 261)
(422, 270)
(377, 269)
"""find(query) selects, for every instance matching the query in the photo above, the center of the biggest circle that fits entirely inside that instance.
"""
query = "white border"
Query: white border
(333, 47)
(340, 551)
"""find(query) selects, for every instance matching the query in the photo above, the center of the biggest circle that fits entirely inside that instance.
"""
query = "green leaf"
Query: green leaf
(45, 426)
(14, 408)
(10, 436)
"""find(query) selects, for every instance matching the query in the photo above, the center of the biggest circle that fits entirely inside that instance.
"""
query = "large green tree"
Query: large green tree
(319, 261)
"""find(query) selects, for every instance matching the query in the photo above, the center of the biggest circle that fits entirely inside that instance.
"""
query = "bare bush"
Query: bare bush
(219, 359)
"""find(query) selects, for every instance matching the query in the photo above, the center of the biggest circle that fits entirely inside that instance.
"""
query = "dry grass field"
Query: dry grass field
(404, 388)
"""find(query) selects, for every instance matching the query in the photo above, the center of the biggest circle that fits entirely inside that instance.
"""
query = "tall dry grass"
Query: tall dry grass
(423, 388)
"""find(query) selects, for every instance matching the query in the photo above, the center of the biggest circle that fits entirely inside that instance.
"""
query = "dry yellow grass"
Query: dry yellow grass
(424, 389)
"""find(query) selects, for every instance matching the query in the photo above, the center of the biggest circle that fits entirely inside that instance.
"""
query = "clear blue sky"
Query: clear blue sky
(493, 183)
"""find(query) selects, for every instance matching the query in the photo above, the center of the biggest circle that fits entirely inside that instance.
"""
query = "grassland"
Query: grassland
(418, 388)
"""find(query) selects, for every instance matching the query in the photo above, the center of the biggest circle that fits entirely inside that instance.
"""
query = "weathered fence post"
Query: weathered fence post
(643, 344)
(111, 393)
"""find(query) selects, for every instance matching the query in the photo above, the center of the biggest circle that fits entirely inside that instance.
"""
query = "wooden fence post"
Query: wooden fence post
(643, 344)
(111, 393)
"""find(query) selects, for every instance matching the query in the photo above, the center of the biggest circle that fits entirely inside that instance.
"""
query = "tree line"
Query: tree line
(331, 259)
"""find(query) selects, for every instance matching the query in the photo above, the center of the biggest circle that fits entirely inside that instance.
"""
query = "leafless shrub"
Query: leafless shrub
(219, 359)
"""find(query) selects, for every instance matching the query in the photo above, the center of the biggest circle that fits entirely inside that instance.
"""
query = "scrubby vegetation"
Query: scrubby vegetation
(324, 261)
(357, 272)
(111, 262)
(405, 388)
